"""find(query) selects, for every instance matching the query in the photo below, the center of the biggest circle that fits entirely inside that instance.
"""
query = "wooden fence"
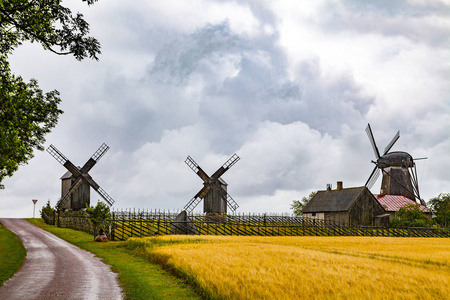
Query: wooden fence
(126, 224)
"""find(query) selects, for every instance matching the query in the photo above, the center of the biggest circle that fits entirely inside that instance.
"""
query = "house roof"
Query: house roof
(333, 201)
(393, 203)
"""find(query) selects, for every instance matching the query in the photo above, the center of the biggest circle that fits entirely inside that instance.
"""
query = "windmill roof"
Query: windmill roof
(393, 203)
(66, 175)
(222, 181)
(333, 201)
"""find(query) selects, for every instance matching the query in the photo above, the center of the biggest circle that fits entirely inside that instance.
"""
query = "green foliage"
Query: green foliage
(47, 210)
(441, 206)
(98, 215)
(410, 215)
(12, 254)
(297, 205)
(26, 113)
(26, 116)
(48, 23)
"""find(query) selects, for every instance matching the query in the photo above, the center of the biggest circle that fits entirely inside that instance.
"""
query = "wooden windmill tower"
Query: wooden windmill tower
(398, 168)
(76, 182)
(214, 191)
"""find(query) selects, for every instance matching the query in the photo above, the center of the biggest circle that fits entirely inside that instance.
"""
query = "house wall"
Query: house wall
(317, 216)
(341, 217)
(364, 210)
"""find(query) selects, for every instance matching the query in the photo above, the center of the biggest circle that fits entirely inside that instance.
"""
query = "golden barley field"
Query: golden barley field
(228, 267)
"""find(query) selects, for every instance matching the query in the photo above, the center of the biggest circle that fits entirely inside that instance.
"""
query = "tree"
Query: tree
(297, 205)
(441, 206)
(410, 215)
(26, 113)
(98, 215)
(48, 23)
(47, 210)
(26, 116)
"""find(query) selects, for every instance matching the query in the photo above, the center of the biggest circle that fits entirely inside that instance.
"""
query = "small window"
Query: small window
(313, 214)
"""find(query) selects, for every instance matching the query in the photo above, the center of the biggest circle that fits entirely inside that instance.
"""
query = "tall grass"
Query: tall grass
(307, 267)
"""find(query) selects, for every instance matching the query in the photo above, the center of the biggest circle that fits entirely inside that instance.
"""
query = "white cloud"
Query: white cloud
(289, 86)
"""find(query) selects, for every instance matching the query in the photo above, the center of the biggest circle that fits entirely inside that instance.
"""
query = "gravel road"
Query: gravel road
(55, 269)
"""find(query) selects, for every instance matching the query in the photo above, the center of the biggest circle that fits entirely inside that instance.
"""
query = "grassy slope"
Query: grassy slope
(139, 278)
(12, 254)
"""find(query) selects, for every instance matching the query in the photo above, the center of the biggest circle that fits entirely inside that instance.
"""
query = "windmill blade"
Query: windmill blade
(231, 203)
(98, 189)
(105, 196)
(196, 168)
(394, 139)
(72, 190)
(63, 160)
(202, 193)
(415, 182)
(225, 196)
(95, 158)
(226, 166)
(373, 177)
(372, 141)
(189, 207)
(197, 198)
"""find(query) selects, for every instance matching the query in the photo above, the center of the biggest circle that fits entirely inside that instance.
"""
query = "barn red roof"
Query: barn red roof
(394, 202)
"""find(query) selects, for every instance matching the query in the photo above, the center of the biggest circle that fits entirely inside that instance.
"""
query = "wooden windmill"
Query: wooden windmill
(76, 192)
(214, 191)
(398, 168)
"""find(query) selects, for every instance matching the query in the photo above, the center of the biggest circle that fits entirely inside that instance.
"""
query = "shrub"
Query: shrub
(410, 215)
(46, 211)
(98, 215)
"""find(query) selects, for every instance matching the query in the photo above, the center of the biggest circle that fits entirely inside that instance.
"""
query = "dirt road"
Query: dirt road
(55, 269)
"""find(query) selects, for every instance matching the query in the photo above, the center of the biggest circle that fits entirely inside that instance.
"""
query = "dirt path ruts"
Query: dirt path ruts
(55, 269)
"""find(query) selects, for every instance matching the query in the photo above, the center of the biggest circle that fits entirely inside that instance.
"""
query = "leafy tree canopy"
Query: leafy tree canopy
(297, 205)
(48, 23)
(26, 113)
(441, 206)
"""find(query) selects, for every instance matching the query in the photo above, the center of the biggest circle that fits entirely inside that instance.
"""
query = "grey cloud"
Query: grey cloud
(400, 18)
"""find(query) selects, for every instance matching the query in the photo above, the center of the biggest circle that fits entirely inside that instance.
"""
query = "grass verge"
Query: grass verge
(12, 254)
(138, 277)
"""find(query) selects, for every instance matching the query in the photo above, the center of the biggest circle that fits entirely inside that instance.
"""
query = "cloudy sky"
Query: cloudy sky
(287, 85)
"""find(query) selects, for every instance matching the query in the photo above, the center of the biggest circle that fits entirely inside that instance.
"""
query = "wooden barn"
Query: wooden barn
(354, 206)
(392, 204)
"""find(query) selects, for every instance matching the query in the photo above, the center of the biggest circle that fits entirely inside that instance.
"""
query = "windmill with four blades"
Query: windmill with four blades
(214, 192)
(398, 168)
(76, 194)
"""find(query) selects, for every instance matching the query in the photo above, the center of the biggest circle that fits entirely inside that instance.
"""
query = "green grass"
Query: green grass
(12, 254)
(139, 278)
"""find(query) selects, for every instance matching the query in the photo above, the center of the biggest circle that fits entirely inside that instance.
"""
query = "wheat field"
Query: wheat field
(227, 267)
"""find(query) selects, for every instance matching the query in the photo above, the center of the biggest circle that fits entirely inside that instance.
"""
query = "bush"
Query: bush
(98, 215)
(410, 215)
(47, 211)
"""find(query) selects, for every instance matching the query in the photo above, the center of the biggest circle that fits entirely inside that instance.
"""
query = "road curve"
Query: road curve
(56, 269)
